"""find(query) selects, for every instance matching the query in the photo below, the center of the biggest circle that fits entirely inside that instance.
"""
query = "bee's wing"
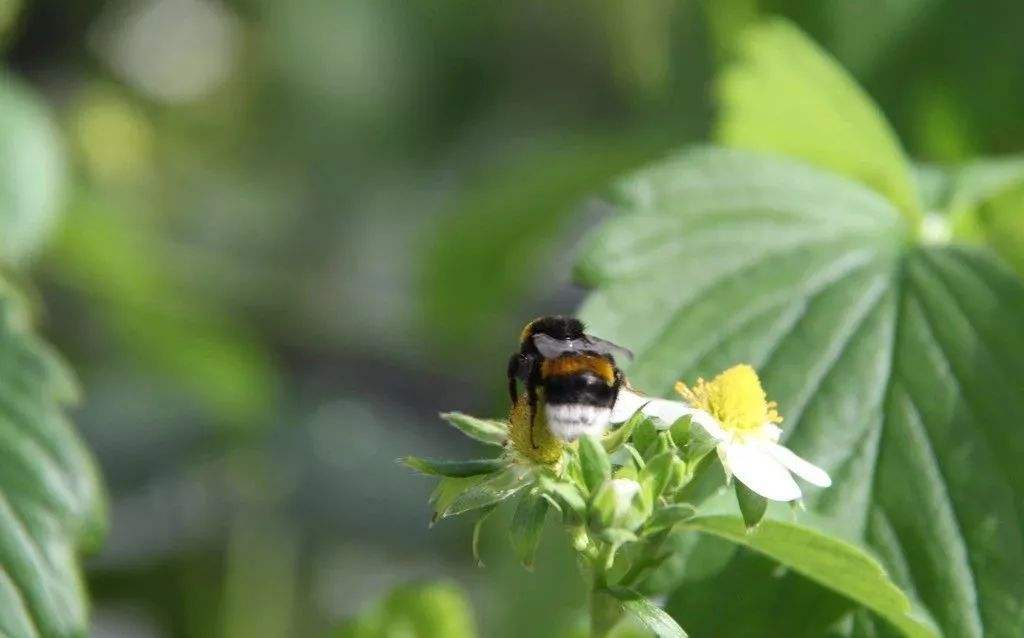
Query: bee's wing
(549, 347)
(602, 346)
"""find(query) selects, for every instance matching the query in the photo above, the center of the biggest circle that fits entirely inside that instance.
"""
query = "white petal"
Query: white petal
(802, 468)
(710, 425)
(626, 404)
(753, 466)
(666, 411)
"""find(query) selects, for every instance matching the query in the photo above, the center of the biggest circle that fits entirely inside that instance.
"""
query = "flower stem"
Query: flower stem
(605, 613)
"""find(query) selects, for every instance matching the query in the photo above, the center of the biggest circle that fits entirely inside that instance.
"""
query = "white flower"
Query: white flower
(733, 409)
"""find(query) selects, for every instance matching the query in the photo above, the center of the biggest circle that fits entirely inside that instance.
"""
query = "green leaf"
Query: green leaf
(657, 473)
(51, 503)
(825, 559)
(647, 613)
(752, 506)
(666, 516)
(566, 497)
(896, 366)
(484, 430)
(32, 171)
(453, 468)
(593, 462)
(527, 525)
(614, 440)
(492, 489)
(786, 95)
(478, 527)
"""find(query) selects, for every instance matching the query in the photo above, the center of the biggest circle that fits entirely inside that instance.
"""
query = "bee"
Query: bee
(574, 374)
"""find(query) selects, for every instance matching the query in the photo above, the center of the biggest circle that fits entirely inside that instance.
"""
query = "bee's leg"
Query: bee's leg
(513, 370)
(531, 411)
(620, 380)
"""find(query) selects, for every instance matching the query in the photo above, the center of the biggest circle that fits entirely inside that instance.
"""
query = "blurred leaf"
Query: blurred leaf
(982, 201)
(435, 610)
(32, 171)
(51, 502)
(786, 95)
(645, 612)
(825, 559)
(120, 265)
(527, 525)
(472, 467)
(504, 236)
(895, 365)
(483, 430)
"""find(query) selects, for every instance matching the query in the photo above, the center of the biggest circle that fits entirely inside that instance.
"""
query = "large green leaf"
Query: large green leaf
(898, 367)
(784, 94)
(825, 559)
(31, 171)
(51, 505)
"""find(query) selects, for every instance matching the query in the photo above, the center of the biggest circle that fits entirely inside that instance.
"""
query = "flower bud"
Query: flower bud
(619, 503)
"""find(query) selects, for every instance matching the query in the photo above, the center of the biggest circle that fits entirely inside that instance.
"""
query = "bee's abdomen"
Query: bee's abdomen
(584, 388)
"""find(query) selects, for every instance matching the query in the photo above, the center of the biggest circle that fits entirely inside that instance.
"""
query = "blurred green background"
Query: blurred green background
(286, 234)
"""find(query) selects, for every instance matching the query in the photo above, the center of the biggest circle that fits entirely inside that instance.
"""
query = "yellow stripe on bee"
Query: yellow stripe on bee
(575, 364)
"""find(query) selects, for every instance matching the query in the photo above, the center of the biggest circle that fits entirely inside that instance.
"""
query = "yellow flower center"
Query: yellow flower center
(734, 397)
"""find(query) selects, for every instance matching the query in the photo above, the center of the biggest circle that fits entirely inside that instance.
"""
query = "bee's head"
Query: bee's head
(557, 327)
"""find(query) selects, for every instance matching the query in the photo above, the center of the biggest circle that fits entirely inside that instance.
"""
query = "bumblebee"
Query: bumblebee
(572, 374)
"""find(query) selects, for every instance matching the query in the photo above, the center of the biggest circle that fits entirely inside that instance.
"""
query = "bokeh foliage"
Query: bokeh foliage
(268, 287)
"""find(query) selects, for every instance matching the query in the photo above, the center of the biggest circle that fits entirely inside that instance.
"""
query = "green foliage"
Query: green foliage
(527, 525)
(893, 363)
(123, 267)
(452, 468)
(786, 95)
(51, 502)
(825, 559)
(981, 202)
(646, 613)
(432, 610)
(31, 171)
(482, 430)
(499, 243)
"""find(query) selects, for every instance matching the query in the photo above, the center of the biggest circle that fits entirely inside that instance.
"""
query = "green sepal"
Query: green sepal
(566, 497)
(614, 439)
(752, 506)
(434, 467)
(457, 495)
(594, 464)
(656, 474)
(486, 431)
(667, 516)
(527, 525)
(477, 528)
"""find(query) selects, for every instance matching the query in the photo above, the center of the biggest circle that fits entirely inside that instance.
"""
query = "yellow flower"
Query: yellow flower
(735, 411)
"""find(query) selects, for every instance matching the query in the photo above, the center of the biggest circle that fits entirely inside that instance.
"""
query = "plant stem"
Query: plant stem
(605, 613)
